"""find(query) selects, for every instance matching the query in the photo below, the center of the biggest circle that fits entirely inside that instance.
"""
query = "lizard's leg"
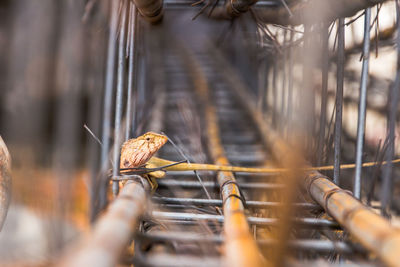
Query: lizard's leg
(153, 183)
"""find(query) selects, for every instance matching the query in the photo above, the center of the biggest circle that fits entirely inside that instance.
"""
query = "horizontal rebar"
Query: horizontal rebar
(194, 184)
(218, 202)
(173, 260)
(315, 245)
(305, 222)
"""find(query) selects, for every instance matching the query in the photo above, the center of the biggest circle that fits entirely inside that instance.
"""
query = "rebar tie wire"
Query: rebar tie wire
(133, 178)
(240, 196)
(236, 12)
(328, 195)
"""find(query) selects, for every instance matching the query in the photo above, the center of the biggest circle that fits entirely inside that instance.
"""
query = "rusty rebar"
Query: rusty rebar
(372, 230)
(103, 246)
(240, 247)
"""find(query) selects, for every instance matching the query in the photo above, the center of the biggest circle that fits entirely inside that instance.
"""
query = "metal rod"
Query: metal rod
(241, 249)
(362, 105)
(131, 71)
(290, 82)
(195, 184)
(299, 221)
(274, 92)
(116, 226)
(284, 76)
(305, 12)
(324, 91)
(374, 232)
(339, 101)
(218, 202)
(307, 245)
(119, 96)
(173, 260)
(387, 186)
(108, 92)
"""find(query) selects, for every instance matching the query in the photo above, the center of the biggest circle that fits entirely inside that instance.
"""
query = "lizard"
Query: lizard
(136, 152)
(137, 156)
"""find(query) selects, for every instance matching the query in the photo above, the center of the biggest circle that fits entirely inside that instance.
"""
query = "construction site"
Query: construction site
(209, 133)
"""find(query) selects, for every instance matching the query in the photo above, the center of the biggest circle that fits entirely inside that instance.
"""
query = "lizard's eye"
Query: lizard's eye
(148, 139)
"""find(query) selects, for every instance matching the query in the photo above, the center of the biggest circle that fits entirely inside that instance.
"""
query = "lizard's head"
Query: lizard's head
(136, 152)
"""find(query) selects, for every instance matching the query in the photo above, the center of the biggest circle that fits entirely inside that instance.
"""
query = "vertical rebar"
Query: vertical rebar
(274, 93)
(307, 104)
(290, 79)
(131, 72)
(262, 79)
(387, 185)
(283, 89)
(324, 91)
(362, 105)
(119, 95)
(339, 101)
(109, 83)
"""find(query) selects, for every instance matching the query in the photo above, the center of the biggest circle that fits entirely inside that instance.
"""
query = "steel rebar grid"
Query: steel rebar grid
(112, 231)
(241, 249)
(373, 231)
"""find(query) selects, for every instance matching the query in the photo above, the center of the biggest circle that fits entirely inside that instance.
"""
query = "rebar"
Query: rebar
(107, 105)
(119, 94)
(339, 101)
(111, 232)
(241, 249)
(131, 72)
(387, 190)
(362, 105)
(373, 231)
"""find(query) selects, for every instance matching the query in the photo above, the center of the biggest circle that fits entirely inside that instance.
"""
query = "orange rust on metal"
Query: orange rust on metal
(5, 181)
(151, 10)
(372, 230)
(240, 247)
(112, 231)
